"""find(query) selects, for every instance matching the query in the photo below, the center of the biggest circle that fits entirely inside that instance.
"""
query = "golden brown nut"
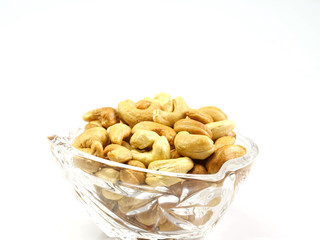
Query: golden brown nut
(86, 165)
(222, 155)
(118, 132)
(93, 124)
(151, 216)
(117, 153)
(111, 195)
(177, 165)
(199, 116)
(108, 174)
(233, 134)
(221, 128)
(126, 145)
(193, 145)
(92, 141)
(165, 101)
(192, 126)
(132, 176)
(143, 138)
(216, 113)
(168, 227)
(107, 116)
(198, 169)
(223, 141)
(159, 128)
(127, 204)
(132, 115)
(174, 154)
(180, 108)
(160, 150)
(143, 104)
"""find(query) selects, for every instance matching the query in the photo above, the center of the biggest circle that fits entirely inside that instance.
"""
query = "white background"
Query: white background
(259, 61)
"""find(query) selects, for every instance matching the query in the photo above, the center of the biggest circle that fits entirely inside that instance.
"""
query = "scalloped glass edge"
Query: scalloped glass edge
(230, 166)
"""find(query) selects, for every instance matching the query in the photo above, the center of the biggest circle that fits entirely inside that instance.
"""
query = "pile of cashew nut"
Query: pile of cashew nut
(160, 133)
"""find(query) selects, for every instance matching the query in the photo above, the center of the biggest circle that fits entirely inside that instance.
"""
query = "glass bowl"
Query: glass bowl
(187, 208)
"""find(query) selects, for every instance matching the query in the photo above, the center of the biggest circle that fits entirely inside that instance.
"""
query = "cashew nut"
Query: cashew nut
(222, 155)
(180, 108)
(118, 132)
(87, 165)
(143, 138)
(174, 153)
(159, 128)
(151, 216)
(178, 165)
(126, 145)
(108, 174)
(92, 141)
(221, 128)
(143, 104)
(198, 169)
(223, 141)
(199, 116)
(117, 153)
(165, 101)
(193, 145)
(93, 124)
(130, 114)
(214, 112)
(107, 116)
(160, 150)
(131, 176)
(168, 227)
(128, 204)
(111, 195)
(192, 126)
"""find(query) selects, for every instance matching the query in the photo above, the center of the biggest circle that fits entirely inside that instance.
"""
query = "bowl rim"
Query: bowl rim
(232, 165)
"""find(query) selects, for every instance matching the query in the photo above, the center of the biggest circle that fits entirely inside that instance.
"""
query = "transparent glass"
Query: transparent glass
(188, 208)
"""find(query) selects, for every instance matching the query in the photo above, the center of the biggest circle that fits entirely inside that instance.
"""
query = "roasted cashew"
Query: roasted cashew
(199, 116)
(214, 112)
(85, 164)
(130, 114)
(111, 195)
(168, 226)
(93, 124)
(108, 174)
(92, 141)
(192, 126)
(221, 128)
(223, 141)
(143, 138)
(132, 176)
(128, 204)
(159, 128)
(117, 153)
(174, 153)
(222, 155)
(193, 145)
(165, 101)
(151, 216)
(143, 104)
(118, 132)
(178, 165)
(198, 169)
(160, 150)
(107, 116)
(180, 108)
(126, 145)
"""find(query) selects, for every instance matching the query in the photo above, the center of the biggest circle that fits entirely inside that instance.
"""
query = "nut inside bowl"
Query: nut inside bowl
(173, 206)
